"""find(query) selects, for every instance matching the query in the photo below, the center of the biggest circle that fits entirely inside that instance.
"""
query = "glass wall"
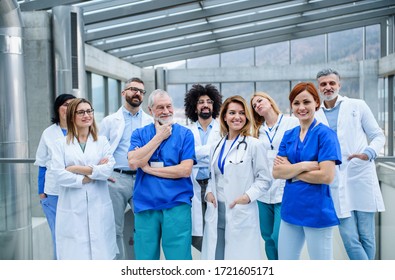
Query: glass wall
(345, 46)
(98, 98)
(105, 95)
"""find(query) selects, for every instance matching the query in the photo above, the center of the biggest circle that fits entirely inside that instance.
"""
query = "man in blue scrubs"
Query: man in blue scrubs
(163, 154)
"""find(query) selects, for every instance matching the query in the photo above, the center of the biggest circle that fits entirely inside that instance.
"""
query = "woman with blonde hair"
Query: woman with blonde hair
(239, 175)
(269, 126)
(85, 225)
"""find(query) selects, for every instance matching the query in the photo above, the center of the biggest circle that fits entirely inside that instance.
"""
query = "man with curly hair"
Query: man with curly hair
(202, 106)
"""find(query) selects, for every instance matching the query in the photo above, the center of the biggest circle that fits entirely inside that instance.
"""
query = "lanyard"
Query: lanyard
(300, 144)
(221, 164)
(274, 135)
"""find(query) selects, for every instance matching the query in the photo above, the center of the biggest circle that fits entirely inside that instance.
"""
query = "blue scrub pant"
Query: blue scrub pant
(269, 222)
(358, 235)
(49, 205)
(292, 237)
(171, 226)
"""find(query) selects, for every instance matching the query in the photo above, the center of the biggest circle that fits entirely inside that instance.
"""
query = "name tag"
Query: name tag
(156, 164)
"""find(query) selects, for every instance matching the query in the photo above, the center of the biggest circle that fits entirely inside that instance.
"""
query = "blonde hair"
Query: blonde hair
(246, 130)
(258, 119)
(70, 117)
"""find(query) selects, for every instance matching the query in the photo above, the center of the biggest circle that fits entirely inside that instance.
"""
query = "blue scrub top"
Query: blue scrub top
(306, 204)
(156, 193)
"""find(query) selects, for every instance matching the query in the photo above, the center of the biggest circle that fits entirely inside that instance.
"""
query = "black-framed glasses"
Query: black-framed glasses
(81, 113)
(134, 90)
(208, 101)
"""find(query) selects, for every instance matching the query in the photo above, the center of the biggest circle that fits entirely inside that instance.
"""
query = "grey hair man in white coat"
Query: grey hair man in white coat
(356, 191)
(118, 128)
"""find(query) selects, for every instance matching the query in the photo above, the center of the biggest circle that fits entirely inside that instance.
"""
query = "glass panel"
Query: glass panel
(173, 65)
(177, 93)
(308, 50)
(243, 89)
(98, 97)
(279, 91)
(210, 61)
(346, 45)
(238, 58)
(373, 42)
(113, 96)
(273, 54)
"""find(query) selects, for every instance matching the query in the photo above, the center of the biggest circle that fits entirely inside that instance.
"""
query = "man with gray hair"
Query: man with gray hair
(355, 190)
(163, 154)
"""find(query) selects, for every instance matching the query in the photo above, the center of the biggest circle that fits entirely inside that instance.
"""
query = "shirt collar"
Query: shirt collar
(127, 113)
(338, 101)
(208, 127)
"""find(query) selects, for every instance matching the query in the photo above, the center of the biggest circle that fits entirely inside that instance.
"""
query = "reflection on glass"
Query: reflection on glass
(310, 50)
(113, 96)
(210, 61)
(98, 98)
(346, 45)
(239, 58)
(372, 42)
(273, 54)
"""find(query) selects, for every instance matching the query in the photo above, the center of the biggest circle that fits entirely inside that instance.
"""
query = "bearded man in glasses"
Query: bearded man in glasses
(118, 128)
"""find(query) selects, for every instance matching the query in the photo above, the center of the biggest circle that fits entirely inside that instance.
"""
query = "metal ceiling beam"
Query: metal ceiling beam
(226, 23)
(95, 6)
(242, 31)
(179, 18)
(46, 4)
(214, 51)
(129, 11)
(253, 41)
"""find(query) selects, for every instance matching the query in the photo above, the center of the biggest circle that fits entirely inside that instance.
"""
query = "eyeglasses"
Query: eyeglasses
(81, 113)
(209, 101)
(134, 90)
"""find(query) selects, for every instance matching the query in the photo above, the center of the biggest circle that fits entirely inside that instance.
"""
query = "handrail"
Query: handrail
(380, 159)
(17, 160)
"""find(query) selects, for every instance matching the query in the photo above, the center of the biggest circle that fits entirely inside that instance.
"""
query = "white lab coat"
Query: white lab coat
(275, 193)
(202, 153)
(356, 185)
(113, 126)
(85, 226)
(249, 173)
(44, 156)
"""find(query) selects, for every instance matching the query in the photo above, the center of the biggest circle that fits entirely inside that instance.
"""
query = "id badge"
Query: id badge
(156, 164)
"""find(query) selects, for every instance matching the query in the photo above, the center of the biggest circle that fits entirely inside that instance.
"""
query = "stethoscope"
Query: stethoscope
(239, 146)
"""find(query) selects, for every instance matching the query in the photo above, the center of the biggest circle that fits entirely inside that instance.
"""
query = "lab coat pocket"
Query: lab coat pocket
(211, 211)
(71, 224)
(358, 168)
(242, 216)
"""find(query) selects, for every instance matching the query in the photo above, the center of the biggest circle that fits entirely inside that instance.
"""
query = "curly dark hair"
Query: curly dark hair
(192, 97)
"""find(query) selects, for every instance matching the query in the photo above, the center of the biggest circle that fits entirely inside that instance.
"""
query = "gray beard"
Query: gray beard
(331, 97)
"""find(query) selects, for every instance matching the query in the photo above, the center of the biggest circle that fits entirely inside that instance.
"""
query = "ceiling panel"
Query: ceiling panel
(150, 32)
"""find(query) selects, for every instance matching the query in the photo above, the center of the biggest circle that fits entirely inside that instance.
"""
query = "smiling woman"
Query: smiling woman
(306, 158)
(237, 180)
(85, 225)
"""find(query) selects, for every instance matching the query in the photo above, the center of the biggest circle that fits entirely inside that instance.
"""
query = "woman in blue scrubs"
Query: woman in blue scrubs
(306, 159)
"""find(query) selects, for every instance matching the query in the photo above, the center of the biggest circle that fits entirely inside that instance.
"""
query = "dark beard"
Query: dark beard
(205, 116)
(133, 103)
